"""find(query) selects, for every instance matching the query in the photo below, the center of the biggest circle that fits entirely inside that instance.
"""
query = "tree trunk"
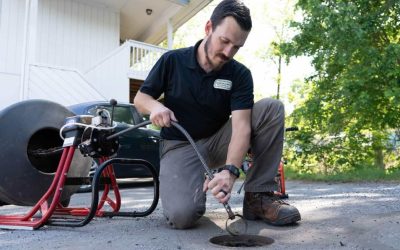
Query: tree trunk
(377, 146)
(379, 158)
(278, 80)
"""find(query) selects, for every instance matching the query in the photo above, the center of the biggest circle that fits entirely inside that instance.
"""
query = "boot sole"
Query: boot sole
(291, 219)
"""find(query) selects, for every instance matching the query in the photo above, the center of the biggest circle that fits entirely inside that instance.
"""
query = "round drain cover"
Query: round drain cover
(241, 240)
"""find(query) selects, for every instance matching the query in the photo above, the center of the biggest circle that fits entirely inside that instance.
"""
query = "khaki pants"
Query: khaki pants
(182, 174)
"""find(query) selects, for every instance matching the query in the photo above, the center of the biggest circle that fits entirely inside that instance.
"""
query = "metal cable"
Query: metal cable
(210, 174)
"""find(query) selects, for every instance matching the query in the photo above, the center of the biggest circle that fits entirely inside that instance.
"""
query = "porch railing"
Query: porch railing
(142, 58)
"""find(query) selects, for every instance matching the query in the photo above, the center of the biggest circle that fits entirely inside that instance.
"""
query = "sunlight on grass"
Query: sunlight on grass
(366, 174)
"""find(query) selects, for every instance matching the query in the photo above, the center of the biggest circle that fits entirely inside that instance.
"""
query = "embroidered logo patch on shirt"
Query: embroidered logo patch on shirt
(223, 84)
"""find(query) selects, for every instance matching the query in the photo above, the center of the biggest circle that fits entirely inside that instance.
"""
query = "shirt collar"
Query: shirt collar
(193, 64)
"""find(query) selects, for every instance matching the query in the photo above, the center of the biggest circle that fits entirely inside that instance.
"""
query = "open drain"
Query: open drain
(241, 240)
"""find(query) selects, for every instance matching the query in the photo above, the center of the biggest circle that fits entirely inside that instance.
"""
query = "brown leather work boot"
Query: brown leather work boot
(270, 208)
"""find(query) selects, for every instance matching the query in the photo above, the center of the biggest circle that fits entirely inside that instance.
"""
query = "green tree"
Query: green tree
(282, 34)
(281, 13)
(353, 101)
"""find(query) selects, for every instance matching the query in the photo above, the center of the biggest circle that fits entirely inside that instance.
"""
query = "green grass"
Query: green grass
(366, 174)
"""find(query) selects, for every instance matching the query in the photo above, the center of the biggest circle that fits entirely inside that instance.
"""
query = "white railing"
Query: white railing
(142, 58)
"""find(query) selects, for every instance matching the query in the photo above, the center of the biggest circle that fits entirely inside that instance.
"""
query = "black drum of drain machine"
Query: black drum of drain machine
(26, 127)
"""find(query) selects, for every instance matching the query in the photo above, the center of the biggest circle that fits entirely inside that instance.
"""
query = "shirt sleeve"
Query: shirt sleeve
(242, 95)
(155, 83)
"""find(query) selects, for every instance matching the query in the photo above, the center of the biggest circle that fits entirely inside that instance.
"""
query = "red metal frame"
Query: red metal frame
(280, 177)
(114, 204)
(281, 187)
(30, 221)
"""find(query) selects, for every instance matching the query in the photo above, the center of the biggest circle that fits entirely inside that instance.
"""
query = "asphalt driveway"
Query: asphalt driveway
(334, 216)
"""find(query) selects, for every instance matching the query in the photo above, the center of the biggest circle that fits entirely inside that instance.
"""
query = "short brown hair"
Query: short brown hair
(235, 9)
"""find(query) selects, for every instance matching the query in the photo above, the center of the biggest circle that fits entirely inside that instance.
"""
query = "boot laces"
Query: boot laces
(272, 197)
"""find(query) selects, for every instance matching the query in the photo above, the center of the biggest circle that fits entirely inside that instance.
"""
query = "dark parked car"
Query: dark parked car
(141, 143)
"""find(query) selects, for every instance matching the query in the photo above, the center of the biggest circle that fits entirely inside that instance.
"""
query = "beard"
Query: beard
(207, 48)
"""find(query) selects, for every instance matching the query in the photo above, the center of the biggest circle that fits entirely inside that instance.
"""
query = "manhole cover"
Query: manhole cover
(241, 240)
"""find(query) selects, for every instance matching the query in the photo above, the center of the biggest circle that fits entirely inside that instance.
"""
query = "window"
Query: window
(122, 114)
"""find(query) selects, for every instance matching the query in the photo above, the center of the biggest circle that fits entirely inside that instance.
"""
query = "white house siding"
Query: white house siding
(11, 41)
(61, 85)
(110, 76)
(75, 34)
(12, 15)
(9, 89)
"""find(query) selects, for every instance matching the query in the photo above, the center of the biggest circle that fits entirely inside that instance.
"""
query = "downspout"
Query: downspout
(170, 34)
(28, 45)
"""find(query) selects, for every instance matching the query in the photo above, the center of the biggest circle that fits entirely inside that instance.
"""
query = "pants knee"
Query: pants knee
(268, 110)
(183, 217)
(270, 104)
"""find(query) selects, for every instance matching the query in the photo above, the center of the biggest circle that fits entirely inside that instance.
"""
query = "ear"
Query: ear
(208, 28)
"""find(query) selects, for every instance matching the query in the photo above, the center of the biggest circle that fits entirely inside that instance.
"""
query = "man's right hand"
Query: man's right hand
(161, 116)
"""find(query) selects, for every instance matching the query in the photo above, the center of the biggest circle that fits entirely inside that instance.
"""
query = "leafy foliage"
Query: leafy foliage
(352, 103)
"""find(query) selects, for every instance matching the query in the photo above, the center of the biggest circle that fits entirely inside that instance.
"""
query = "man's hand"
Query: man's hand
(161, 116)
(222, 181)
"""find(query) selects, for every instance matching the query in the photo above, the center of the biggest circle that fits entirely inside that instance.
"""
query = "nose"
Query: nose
(229, 51)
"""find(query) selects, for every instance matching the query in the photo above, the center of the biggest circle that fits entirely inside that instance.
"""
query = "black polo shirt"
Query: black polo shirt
(202, 102)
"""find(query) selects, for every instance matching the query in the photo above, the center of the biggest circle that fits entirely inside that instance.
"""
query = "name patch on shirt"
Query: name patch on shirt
(223, 84)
